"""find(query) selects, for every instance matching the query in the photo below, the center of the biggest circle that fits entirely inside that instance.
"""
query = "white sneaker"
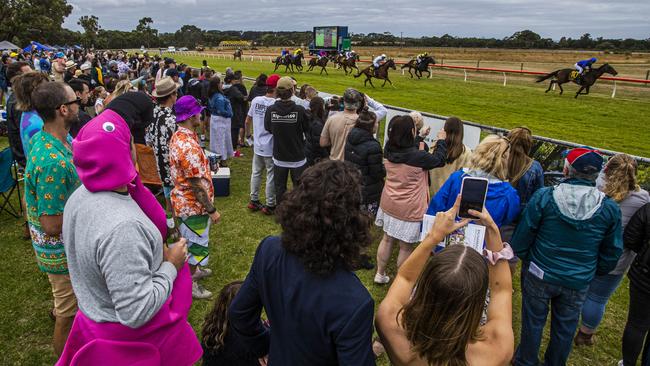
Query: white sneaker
(201, 273)
(381, 279)
(620, 363)
(199, 292)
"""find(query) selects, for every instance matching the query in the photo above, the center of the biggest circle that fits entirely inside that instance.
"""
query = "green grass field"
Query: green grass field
(619, 124)
(25, 297)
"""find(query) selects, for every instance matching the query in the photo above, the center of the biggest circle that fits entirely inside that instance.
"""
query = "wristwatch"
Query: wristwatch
(505, 253)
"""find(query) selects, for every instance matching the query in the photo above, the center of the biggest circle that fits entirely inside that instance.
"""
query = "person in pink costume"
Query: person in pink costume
(116, 231)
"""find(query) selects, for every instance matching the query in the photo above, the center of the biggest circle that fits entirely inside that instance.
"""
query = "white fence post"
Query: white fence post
(614, 91)
(553, 86)
(505, 79)
(430, 72)
(465, 71)
(402, 72)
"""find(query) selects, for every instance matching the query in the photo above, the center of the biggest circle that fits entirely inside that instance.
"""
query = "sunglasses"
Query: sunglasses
(76, 101)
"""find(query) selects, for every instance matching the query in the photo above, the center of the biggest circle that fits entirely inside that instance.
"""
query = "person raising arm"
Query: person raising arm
(416, 331)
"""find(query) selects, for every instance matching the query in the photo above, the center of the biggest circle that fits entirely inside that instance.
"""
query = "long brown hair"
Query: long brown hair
(620, 177)
(24, 85)
(215, 325)
(519, 161)
(444, 315)
(454, 140)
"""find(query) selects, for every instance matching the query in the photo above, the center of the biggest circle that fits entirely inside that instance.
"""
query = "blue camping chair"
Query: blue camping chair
(9, 184)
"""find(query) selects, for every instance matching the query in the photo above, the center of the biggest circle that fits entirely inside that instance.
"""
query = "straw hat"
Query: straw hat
(70, 64)
(165, 87)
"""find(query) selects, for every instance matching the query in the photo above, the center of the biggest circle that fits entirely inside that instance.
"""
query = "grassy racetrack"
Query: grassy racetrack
(619, 124)
(25, 296)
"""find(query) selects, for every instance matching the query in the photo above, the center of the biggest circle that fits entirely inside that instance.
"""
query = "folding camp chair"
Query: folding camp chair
(9, 184)
(147, 167)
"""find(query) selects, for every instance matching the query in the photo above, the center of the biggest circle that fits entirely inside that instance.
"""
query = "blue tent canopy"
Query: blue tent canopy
(39, 47)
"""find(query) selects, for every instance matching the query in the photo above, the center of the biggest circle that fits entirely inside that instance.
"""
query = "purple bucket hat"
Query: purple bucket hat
(186, 107)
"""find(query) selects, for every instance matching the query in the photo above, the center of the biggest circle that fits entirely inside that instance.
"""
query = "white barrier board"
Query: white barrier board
(471, 134)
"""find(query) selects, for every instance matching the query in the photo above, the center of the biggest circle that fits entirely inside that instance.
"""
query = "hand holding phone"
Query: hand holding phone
(473, 192)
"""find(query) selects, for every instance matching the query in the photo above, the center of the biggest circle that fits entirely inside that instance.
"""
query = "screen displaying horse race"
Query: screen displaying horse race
(325, 37)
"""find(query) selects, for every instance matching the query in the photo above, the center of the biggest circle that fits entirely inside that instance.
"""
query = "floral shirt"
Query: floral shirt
(188, 161)
(157, 136)
(50, 178)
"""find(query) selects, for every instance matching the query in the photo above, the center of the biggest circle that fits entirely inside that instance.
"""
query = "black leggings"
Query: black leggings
(234, 134)
(635, 337)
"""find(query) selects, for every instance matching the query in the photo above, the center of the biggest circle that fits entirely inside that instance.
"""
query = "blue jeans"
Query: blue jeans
(565, 304)
(600, 290)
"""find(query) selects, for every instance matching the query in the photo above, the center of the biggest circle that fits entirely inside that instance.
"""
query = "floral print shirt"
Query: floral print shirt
(50, 178)
(157, 135)
(188, 160)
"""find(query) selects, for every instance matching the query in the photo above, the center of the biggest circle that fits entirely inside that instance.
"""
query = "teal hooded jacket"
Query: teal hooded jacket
(569, 233)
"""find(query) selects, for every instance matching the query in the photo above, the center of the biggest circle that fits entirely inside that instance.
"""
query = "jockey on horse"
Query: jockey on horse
(350, 55)
(321, 54)
(420, 58)
(378, 61)
(580, 66)
(296, 53)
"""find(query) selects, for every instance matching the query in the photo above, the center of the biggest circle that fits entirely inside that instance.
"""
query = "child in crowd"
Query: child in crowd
(220, 345)
(101, 94)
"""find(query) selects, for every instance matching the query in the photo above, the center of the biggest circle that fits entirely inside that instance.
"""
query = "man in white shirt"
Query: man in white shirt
(262, 149)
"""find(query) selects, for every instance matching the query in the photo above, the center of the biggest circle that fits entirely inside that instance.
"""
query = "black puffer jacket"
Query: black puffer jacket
(637, 239)
(362, 150)
(313, 151)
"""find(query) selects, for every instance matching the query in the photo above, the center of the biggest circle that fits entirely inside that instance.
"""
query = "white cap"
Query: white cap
(85, 66)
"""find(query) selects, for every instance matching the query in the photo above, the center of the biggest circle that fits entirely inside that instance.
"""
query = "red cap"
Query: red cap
(272, 81)
(585, 160)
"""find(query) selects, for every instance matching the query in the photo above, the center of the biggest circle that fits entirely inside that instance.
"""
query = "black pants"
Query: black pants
(635, 336)
(234, 134)
(280, 177)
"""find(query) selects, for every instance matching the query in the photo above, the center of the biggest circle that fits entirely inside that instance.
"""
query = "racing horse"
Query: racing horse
(237, 55)
(382, 73)
(322, 63)
(297, 60)
(286, 61)
(588, 79)
(349, 63)
(420, 67)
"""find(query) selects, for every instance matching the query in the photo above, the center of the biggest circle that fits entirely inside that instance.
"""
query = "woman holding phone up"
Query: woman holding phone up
(432, 312)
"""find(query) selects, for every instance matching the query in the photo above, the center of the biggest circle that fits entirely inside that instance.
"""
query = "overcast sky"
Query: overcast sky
(482, 18)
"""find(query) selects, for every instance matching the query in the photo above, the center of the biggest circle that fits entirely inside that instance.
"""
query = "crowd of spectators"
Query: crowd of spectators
(124, 270)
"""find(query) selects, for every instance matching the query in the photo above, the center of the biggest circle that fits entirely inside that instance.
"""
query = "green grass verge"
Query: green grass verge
(618, 124)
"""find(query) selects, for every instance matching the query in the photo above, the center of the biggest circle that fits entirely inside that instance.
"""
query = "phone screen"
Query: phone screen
(472, 196)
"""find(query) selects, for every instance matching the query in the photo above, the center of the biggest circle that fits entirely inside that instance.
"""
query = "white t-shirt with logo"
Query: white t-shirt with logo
(263, 140)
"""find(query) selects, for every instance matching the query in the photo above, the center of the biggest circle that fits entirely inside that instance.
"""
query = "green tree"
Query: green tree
(145, 30)
(189, 36)
(91, 27)
(22, 21)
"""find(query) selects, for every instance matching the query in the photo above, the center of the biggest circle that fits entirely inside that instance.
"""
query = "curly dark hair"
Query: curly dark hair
(322, 222)
(215, 325)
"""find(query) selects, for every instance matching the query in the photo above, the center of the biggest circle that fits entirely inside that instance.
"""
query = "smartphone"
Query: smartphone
(473, 192)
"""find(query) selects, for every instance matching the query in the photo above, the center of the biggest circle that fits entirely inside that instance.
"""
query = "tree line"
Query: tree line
(22, 21)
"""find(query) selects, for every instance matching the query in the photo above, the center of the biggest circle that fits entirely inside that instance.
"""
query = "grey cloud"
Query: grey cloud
(481, 18)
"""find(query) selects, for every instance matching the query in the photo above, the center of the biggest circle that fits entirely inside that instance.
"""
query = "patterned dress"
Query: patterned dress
(157, 135)
(50, 178)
